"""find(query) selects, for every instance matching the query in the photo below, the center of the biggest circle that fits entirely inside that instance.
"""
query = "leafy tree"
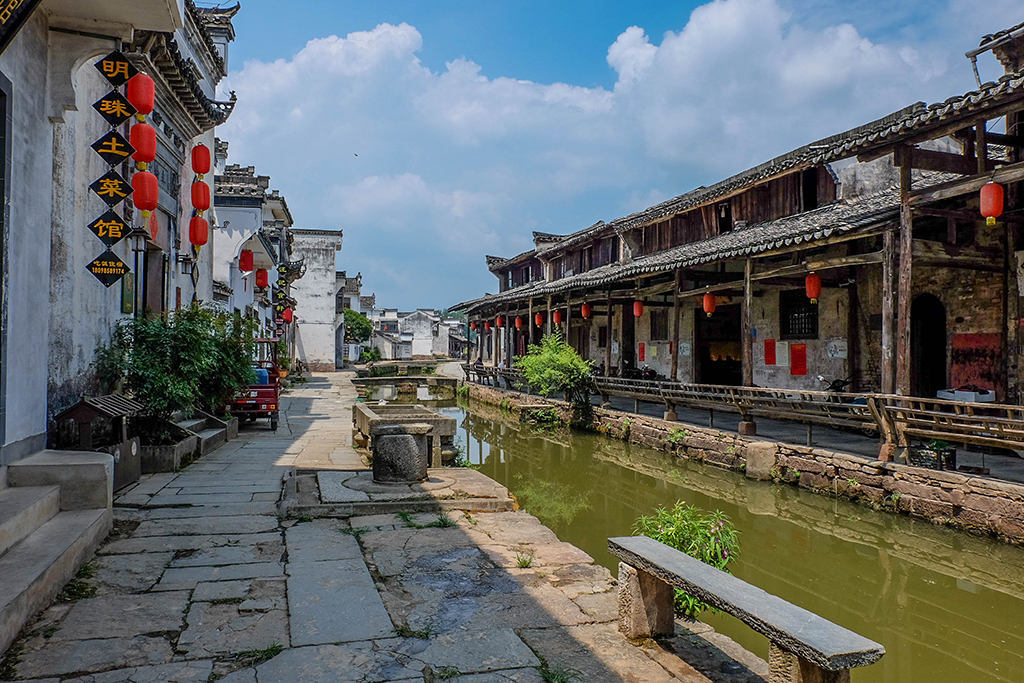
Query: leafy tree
(707, 536)
(357, 327)
(552, 367)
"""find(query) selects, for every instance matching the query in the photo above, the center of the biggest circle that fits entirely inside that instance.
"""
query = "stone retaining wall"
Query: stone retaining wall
(958, 500)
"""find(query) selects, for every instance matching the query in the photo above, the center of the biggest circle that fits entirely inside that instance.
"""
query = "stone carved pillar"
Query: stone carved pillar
(645, 604)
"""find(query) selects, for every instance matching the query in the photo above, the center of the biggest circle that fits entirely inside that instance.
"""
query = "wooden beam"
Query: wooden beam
(888, 319)
(824, 264)
(1006, 175)
(747, 325)
(905, 281)
(608, 338)
(981, 146)
(674, 347)
(930, 160)
(824, 242)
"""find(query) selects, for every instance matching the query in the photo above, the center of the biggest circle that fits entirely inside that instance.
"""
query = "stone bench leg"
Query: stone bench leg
(645, 604)
(786, 667)
(670, 413)
(435, 451)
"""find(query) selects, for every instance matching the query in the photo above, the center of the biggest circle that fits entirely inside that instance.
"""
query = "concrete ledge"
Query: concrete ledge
(86, 479)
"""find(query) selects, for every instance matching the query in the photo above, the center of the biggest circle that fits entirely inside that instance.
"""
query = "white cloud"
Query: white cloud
(427, 169)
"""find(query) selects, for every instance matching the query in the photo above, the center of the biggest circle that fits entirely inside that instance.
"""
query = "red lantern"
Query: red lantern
(200, 196)
(539, 319)
(472, 326)
(201, 160)
(812, 285)
(143, 139)
(245, 261)
(287, 315)
(638, 309)
(557, 317)
(992, 202)
(500, 322)
(709, 303)
(141, 92)
(487, 325)
(198, 231)
(585, 310)
(146, 192)
(262, 278)
(519, 323)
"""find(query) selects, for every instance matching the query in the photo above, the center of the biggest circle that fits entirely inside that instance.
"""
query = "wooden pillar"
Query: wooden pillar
(529, 325)
(548, 321)
(903, 298)
(568, 319)
(608, 338)
(747, 325)
(675, 327)
(509, 338)
(888, 322)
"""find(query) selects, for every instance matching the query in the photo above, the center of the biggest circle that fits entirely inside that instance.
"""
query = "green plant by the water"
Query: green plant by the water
(369, 354)
(707, 536)
(553, 366)
(462, 391)
(677, 436)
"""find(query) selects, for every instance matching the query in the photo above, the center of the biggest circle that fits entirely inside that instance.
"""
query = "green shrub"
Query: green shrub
(553, 366)
(369, 355)
(707, 536)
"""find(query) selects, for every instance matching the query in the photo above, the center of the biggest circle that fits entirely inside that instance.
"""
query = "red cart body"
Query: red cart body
(261, 400)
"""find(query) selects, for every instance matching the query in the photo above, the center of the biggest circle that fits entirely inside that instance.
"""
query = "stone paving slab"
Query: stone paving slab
(94, 655)
(178, 578)
(528, 675)
(472, 650)
(221, 590)
(321, 540)
(135, 573)
(197, 671)
(226, 510)
(221, 629)
(123, 616)
(333, 602)
(193, 499)
(241, 524)
(364, 662)
(156, 544)
(263, 552)
(333, 489)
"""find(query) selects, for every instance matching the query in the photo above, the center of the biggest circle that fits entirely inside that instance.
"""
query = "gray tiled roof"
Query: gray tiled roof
(844, 216)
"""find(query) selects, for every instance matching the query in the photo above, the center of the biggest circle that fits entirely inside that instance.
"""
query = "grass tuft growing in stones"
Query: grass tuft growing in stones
(257, 657)
(556, 674)
(405, 631)
(227, 601)
(524, 561)
(442, 521)
(355, 532)
(79, 588)
(445, 673)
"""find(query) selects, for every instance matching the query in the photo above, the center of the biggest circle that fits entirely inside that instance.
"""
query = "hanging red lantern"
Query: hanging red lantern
(198, 232)
(141, 92)
(519, 323)
(539, 319)
(499, 321)
(638, 309)
(709, 303)
(287, 315)
(472, 326)
(992, 202)
(585, 311)
(201, 162)
(262, 278)
(245, 261)
(146, 192)
(487, 325)
(200, 196)
(812, 285)
(143, 139)
(557, 317)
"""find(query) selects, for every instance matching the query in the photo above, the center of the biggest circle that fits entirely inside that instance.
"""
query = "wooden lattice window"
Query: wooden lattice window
(798, 317)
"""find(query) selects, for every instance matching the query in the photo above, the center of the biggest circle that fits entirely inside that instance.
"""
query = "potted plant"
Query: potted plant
(284, 363)
(935, 454)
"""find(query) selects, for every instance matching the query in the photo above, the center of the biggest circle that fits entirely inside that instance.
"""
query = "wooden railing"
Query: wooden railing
(898, 420)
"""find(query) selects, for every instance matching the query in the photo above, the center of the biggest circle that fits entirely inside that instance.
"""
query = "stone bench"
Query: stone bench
(805, 648)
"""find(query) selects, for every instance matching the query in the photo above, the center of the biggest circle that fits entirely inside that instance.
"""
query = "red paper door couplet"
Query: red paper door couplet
(798, 359)
(640, 352)
(769, 352)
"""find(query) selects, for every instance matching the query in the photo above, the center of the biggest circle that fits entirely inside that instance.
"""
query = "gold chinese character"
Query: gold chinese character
(7, 11)
(112, 69)
(108, 228)
(110, 188)
(115, 108)
(112, 146)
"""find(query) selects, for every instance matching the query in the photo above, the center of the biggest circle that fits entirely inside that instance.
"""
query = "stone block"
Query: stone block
(747, 428)
(400, 453)
(86, 480)
(761, 460)
(645, 604)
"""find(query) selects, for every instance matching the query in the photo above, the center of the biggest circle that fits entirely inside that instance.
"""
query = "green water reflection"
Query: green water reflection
(947, 606)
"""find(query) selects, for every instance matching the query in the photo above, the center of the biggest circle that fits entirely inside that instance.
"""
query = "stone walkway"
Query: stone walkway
(202, 581)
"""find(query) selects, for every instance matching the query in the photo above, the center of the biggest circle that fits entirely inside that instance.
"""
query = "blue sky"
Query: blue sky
(477, 123)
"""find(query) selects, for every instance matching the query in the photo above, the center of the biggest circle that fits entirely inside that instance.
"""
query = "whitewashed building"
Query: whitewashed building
(314, 294)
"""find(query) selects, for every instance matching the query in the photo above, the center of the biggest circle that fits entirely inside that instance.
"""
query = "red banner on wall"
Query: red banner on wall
(798, 359)
(769, 352)
(640, 352)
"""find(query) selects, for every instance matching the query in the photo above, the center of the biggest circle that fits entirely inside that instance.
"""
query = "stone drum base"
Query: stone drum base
(400, 453)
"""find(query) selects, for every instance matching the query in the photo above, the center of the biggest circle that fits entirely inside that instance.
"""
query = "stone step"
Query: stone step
(36, 569)
(212, 439)
(195, 426)
(23, 509)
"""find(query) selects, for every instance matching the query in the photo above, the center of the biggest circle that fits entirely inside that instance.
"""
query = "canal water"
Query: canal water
(947, 606)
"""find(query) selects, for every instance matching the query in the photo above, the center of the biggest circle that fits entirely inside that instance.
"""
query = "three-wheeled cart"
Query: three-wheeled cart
(261, 400)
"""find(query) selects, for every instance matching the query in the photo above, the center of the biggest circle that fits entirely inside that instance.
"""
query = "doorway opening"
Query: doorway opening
(928, 372)
(718, 353)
